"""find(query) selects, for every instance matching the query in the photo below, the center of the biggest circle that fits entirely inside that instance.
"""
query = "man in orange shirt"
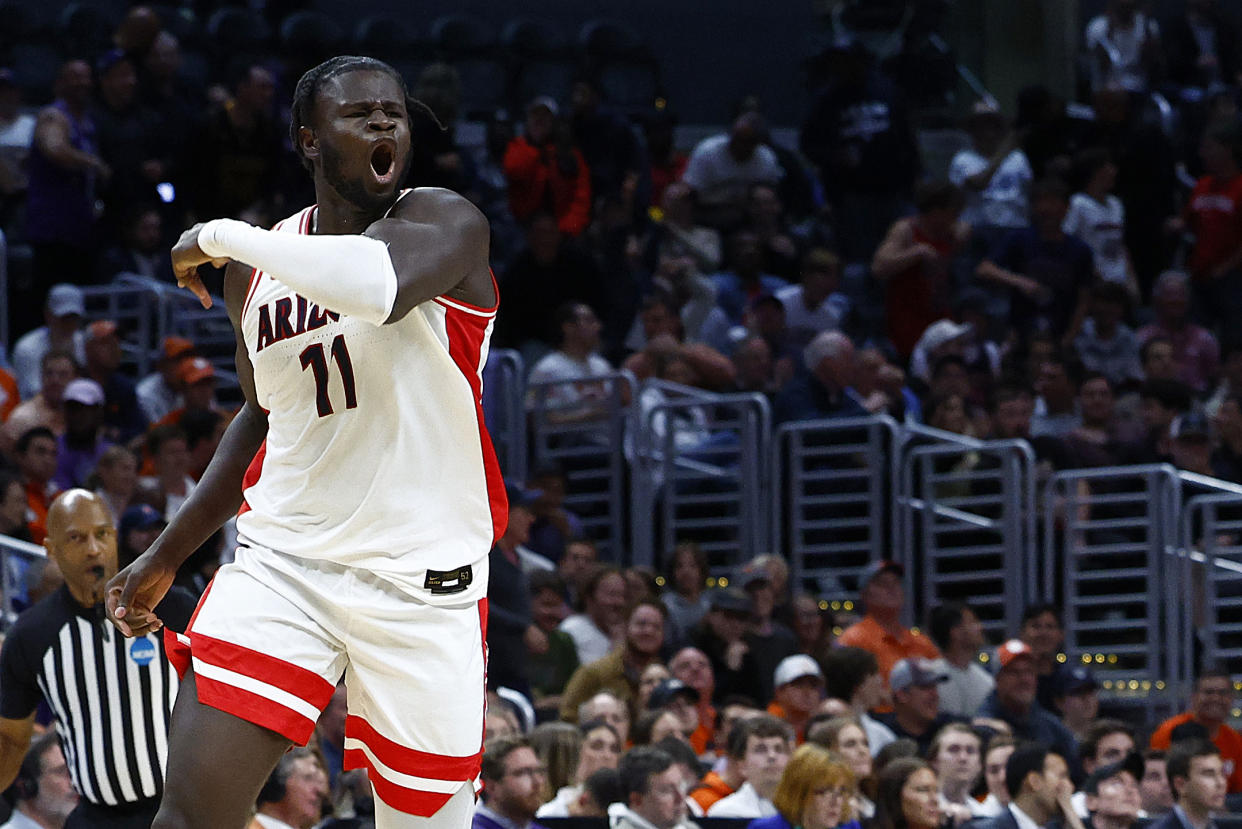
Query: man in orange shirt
(880, 631)
(693, 668)
(1209, 706)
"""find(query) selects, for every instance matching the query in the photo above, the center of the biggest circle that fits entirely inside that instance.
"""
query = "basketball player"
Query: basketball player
(366, 487)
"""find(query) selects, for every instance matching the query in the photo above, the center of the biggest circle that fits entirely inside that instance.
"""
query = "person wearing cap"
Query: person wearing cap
(680, 700)
(882, 592)
(915, 685)
(1210, 703)
(768, 639)
(1014, 702)
(137, 528)
(940, 339)
(1192, 446)
(619, 671)
(543, 167)
(511, 631)
(1076, 695)
(160, 391)
(123, 418)
(994, 173)
(79, 449)
(47, 408)
(799, 684)
(722, 636)
(196, 377)
(1112, 793)
(691, 666)
(1197, 777)
(956, 630)
(61, 331)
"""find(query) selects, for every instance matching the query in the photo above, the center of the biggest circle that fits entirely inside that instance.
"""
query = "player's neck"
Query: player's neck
(335, 215)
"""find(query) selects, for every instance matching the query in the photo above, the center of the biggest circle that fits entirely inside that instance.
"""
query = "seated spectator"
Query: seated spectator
(799, 689)
(170, 485)
(914, 262)
(576, 359)
(722, 169)
(295, 792)
(1197, 778)
(1162, 401)
(203, 430)
(650, 679)
(116, 479)
(956, 630)
(600, 791)
(692, 667)
(1056, 406)
(954, 755)
(813, 627)
(663, 337)
(852, 676)
(652, 727)
(943, 338)
(1106, 344)
(765, 217)
(1038, 784)
(651, 788)
(995, 756)
(679, 699)
(994, 174)
(815, 792)
(578, 560)
(1106, 743)
(822, 387)
(722, 636)
(1014, 702)
(1192, 447)
(1123, 45)
(558, 746)
(80, 448)
(1098, 217)
(512, 634)
(1157, 360)
(618, 671)
(543, 167)
(1076, 696)
(744, 280)
(137, 529)
(755, 368)
(686, 598)
(1041, 629)
(765, 317)
(883, 596)
(844, 736)
(16, 135)
(13, 519)
(1154, 788)
(554, 524)
(123, 419)
(35, 453)
(915, 685)
(1099, 440)
(61, 331)
(196, 377)
(771, 641)
(160, 392)
(1210, 704)
(608, 707)
(815, 304)
(597, 624)
(513, 784)
(141, 250)
(762, 746)
(726, 775)
(678, 236)
(44, 795)
(907, 796)
(1047, 271)
(1196, 353)
(47, 407)
(1112, 793)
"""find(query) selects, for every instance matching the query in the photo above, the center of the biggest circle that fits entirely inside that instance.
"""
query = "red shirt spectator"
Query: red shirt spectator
(1214, 214)
(546, 172)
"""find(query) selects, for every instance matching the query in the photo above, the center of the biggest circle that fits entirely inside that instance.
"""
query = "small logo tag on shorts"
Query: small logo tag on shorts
(448, 582)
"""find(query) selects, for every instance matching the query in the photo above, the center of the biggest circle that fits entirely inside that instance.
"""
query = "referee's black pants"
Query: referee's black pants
(139, 815)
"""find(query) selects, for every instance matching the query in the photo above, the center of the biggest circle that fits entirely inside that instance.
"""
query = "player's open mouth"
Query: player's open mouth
(383, 162)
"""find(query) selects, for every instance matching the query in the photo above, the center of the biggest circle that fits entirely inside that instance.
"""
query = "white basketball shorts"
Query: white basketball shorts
(273, 634)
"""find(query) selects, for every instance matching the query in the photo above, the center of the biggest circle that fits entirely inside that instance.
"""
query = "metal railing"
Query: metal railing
(831, 510)
(581, 426)
(15, 559)
(698, 465)
(504, 410)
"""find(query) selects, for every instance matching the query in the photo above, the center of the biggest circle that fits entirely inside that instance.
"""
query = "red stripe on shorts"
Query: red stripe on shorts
(306, 685)
(255, 709)
(410, 801)
(409, 760)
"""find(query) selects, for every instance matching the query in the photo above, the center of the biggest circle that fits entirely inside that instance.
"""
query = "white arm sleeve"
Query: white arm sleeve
(352, 275)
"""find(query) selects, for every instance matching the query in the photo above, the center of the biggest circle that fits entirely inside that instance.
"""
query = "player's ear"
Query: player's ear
(308, 142)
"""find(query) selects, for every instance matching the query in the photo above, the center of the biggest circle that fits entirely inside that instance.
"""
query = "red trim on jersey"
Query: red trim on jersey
(410, 801)
(177, 652)
(491, 310)
(252, 286)
(253, 471)
(411, 761)
(466, 333)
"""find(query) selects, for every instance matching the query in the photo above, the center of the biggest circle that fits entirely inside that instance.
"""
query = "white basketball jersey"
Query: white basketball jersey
(376, 454)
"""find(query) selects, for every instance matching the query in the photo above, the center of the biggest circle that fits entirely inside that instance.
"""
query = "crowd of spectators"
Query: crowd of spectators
(1069, 279)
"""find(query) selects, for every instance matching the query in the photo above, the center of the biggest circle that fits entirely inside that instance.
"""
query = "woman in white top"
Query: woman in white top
(1097, 217)
(599, 747)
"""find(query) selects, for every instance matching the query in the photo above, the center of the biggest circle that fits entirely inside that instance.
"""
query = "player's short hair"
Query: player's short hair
(418, 114)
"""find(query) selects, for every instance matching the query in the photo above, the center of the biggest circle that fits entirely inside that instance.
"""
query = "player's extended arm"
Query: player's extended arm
(435, 242)
(135, 591)
(14, 740)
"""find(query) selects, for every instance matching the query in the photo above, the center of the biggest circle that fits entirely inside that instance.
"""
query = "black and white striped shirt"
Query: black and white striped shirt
(111, 697)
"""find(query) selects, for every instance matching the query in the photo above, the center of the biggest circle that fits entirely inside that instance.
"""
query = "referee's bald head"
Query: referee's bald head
(81, 539)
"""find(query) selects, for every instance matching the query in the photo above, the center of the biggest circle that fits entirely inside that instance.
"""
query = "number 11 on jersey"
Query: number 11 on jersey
(315, 358)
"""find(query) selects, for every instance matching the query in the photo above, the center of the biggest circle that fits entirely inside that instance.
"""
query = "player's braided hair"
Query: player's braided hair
(420, 116)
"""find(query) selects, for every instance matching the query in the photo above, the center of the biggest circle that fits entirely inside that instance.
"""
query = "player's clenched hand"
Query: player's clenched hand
(186, 257)
(133, 593)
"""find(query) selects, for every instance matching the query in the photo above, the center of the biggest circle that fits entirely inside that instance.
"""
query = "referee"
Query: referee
(111, 697)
